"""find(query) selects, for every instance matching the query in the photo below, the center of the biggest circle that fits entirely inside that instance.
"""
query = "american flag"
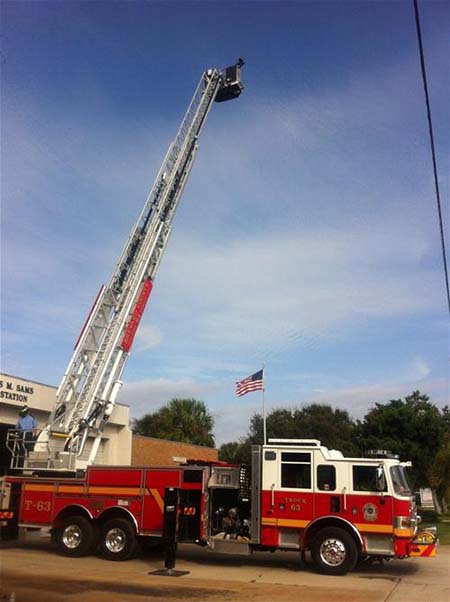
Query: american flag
(251, 383)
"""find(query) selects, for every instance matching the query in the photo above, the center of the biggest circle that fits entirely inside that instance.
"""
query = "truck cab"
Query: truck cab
(339, 508)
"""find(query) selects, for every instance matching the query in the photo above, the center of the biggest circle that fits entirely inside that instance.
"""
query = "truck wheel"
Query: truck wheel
(118, 540)
(76, 537)
(334, 551)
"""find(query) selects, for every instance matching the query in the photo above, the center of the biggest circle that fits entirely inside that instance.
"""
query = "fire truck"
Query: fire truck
(296, 494)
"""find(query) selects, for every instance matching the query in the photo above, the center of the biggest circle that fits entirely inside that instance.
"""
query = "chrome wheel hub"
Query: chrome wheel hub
(71, 536)
(332, 552)
(115, 540)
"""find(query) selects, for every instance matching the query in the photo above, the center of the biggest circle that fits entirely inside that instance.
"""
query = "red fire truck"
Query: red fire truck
(296, 495)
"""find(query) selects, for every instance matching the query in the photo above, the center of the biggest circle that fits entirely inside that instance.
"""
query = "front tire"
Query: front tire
(118, 540)
(76, 537)
(334, 551)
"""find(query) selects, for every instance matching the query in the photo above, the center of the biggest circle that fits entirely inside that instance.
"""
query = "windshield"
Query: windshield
(400, 480)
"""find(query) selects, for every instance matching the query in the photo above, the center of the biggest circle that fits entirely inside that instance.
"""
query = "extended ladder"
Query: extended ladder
(88, 391)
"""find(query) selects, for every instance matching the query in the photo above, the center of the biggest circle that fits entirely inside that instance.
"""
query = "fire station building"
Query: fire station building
(118, 447)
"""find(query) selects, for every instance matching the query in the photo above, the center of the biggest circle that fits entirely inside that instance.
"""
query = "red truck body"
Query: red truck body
(297, 496)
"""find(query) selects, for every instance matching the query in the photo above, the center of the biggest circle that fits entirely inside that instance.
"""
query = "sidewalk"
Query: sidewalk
(37, 574)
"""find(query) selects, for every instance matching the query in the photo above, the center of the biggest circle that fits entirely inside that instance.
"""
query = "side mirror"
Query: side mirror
(380, 479)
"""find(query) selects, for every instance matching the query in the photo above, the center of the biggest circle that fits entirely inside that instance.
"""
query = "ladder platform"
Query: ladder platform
(232, 85)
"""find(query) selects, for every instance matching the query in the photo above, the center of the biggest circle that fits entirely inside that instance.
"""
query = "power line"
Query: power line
(433, 152)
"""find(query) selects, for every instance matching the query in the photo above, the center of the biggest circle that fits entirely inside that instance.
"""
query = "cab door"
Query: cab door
(371, 509)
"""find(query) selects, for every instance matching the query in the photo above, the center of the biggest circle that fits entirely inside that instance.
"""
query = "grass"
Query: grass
(442, 523)
(444, 532)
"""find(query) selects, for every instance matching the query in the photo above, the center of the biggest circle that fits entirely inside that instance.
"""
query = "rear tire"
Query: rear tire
(118, 540)
(76, 537)
(334, 551)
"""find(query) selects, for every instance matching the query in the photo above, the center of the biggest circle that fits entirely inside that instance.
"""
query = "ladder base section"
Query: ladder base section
(60, 461)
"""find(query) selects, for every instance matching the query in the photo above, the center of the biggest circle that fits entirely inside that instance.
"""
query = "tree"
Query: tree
(439, 475)
(439, 471)
(414, 428)
(333, 427)
(235, 452)
(184, 420)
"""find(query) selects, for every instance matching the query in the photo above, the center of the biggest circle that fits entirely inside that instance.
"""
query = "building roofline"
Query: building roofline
(171, 441)
(37, 382)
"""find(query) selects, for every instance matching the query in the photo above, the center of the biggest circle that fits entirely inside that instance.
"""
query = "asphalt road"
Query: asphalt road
(34, 572)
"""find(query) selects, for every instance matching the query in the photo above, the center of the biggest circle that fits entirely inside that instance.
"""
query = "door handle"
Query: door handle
(272, 489)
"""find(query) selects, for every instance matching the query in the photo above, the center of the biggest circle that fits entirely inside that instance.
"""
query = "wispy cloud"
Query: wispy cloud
(232, 417)
(306, 218)
(358, 399)
(148, 336)
(419, 369)
(148, 395)
(272, 292)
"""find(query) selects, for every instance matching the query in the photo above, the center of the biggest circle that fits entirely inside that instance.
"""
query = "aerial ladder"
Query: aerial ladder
(88, 391)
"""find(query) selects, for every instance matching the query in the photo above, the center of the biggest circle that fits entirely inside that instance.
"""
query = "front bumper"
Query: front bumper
(425, 543)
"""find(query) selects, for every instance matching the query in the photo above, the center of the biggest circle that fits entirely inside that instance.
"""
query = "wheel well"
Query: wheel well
(330, 521)
(117, 513)
(75, 510)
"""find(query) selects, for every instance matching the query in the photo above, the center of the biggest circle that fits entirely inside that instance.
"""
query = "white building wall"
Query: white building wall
(16, 392)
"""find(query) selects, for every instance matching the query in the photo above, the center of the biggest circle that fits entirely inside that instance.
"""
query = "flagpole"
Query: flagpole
(264, 406)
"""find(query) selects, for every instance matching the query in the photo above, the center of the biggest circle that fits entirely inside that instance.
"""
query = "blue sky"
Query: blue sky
(307, 236)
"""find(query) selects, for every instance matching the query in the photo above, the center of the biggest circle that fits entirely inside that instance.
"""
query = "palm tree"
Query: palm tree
(184, 420)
